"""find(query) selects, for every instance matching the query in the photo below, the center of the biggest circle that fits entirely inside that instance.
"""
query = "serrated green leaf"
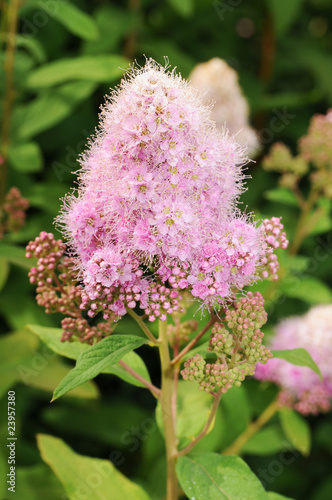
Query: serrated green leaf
(298, 357)
(208, 476)
(296, 429)
(309, 289)
(82, 475)
(72, 350)
(26, 157)
(71, 17)
(95, 359)
(102, 69)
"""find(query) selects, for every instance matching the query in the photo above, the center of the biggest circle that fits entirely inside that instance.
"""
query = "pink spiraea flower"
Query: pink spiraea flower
(300, 386)
(155, 212)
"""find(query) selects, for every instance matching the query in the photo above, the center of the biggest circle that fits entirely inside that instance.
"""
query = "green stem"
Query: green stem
(12, 20)
(206, 427)
(253, 427)
(166, 398)
(143, 326)
(152, 388)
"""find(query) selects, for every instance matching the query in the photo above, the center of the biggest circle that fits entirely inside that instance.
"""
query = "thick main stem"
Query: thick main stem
(166, 408)
(253, 427)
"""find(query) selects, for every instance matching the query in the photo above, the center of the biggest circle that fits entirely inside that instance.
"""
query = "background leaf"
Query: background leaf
(101, 68)
(95, 359)
(71, 17)
(72, 350)
(77, 473)
(298, 357)
(296, 429)
(207, 476)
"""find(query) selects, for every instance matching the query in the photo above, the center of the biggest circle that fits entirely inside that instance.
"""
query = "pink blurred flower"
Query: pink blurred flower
(300, 386)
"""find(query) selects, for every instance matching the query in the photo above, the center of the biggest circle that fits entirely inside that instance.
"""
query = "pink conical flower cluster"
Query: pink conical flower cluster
(155, 212)
(301, 387)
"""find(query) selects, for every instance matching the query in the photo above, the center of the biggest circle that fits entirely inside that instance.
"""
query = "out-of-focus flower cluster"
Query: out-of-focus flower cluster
(217, 82)
(302, 388)
(13, 212)
(155, 213)
(58, 289)
(315, 149)
(275, 238)
(237, 343)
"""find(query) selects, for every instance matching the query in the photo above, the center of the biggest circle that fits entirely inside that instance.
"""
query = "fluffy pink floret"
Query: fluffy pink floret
(301, 387)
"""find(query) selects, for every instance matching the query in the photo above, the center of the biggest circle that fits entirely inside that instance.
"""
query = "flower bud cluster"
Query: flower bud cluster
(280, 159)
(58, 289)
(302, 388)
(274, 237)
(237, 343)
(316, 146)
(13, 212)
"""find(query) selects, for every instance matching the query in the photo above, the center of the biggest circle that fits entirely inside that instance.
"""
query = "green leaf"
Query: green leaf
(16, 350)
(26, 157)
(95, 359)
(86, 476)
(49, 374)
(309, 289)
(101, 69)
(189, 423)
(281, 195)
(50, 108)
(32, 46)
(4, 271)
(116, 421)
(296, 429)
(284, 13)
(71, 17)
(37, 483)
(51, 337)
(136, 363)
(267, 441)
(298, 357)
(16, 255)
(72, 350)
(235, 406)
(275, 496)
(209, 476)
(113, 23)
(183, 7)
